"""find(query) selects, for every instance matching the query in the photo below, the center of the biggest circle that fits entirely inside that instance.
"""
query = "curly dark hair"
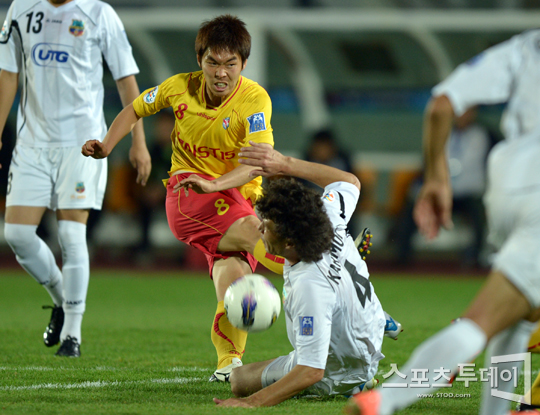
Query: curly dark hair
(224, 33)
(299, 217)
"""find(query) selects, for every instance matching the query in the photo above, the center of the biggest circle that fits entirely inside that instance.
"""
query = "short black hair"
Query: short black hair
(224, 33)
(299, 216)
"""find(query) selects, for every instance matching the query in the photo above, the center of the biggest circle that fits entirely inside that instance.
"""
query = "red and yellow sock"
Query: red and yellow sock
(228, 340)
(534, 342)
(272, 262)
(534, 347)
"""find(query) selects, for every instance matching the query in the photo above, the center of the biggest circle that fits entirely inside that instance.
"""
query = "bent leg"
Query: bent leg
(244, 235)
(31, 251)
(246, 380)
(497, 306)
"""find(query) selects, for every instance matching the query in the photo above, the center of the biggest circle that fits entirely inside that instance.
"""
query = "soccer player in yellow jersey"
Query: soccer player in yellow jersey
(210, 195)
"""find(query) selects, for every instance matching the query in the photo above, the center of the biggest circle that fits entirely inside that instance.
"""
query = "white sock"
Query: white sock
(76, 274)
(72, 326)
(35, 257)
(512, 340)
(458, 343)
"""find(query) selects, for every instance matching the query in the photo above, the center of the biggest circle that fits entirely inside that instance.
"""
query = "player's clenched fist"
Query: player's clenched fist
(95, 149)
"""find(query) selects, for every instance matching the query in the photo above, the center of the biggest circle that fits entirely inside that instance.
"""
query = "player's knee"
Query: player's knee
(251, 234)
(237, 385)
(20, 237)
(72, 238)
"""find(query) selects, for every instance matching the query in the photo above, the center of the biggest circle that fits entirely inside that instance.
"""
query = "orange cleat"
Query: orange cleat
(363, 403)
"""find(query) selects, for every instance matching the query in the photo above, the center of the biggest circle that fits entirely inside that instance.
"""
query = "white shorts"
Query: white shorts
(56, 178)
(514, 229)
(284, 364)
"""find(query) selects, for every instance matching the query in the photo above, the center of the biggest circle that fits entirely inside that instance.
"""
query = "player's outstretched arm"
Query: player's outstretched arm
(123, 124)
(433, 208)
(235, 178)
(9, 82)
(271, 162)
(138, 154)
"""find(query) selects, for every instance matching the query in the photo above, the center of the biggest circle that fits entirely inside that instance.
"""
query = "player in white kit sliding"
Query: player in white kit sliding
(57, 47)
(334, 319)
(502, 314)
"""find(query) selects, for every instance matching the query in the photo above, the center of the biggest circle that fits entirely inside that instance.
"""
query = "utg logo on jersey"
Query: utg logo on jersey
(50, 54)
(256, 122)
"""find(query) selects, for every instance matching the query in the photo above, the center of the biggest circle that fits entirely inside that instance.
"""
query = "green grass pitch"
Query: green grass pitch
(146, 346)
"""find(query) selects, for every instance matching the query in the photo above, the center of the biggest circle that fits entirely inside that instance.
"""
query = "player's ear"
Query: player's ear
(199, 60)
(244, 64)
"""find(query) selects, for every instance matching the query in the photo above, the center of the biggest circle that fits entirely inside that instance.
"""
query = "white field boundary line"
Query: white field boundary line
(98, 369)
(101, 384)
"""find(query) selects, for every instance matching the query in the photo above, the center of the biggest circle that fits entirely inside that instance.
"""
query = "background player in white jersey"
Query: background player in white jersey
(503, 312)
(57, 47)
(335, 321)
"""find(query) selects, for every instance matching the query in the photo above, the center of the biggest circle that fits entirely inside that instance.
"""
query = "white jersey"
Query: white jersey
(505, 73)
(334, 319)
(59, 51)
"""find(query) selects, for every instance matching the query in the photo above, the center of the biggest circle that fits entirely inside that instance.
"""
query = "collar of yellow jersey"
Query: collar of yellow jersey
(203, 95)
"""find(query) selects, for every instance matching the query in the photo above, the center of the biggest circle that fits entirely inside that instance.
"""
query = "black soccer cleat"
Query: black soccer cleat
(51, 336)
(70, 347)
(363, 243)
(223, 374)
(526, 408)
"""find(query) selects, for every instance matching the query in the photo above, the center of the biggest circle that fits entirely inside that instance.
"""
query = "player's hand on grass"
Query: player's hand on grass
(233, 402)
(95, 149)
(433, 208)
(139, 157)
(270, 161)
(197, 184)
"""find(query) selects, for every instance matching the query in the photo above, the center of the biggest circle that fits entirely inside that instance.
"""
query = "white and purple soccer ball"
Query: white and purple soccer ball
(252, 303)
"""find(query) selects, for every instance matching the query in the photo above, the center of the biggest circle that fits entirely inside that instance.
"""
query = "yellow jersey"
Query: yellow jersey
(207, 140)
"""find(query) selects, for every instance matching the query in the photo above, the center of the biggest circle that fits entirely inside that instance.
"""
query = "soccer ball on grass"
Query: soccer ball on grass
(252, 303)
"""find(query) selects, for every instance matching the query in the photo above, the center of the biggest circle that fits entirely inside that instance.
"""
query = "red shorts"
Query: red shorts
(200, 220)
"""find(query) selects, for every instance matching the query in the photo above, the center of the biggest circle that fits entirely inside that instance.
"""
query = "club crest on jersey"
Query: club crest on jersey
(329, 196)
(79, 187)
(226, 122)
(150, 96)
(76, 28)
(256, 122)
(306, 326)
